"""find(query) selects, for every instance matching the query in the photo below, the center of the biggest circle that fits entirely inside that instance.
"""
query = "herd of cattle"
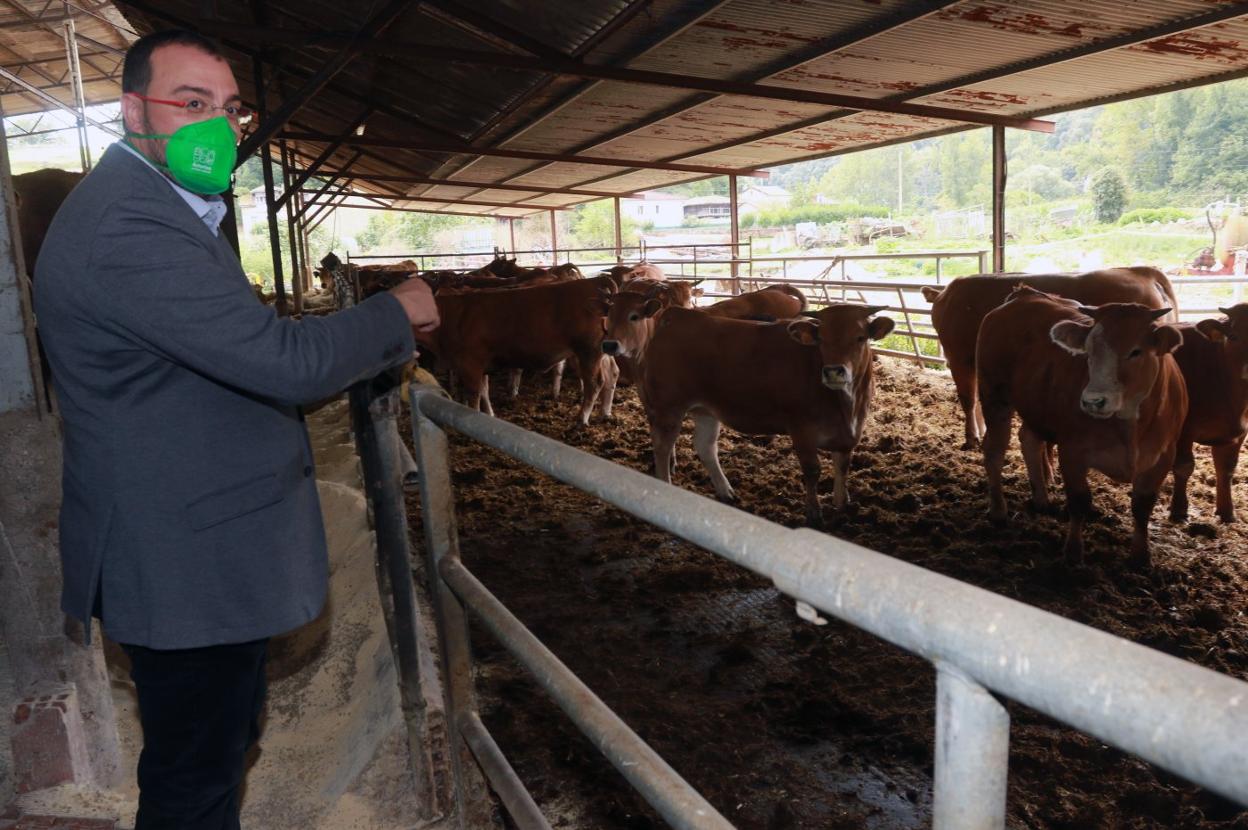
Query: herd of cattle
(1096, 365)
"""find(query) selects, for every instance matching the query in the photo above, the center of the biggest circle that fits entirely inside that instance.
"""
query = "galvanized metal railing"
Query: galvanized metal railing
(1182, 717)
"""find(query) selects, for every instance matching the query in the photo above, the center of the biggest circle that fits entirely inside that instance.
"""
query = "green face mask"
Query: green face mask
(199, 156)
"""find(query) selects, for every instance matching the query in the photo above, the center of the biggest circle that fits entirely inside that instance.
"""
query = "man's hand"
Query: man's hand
(417, 300)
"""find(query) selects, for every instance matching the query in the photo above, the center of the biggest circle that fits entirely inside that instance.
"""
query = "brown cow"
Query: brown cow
(39, 195)
(958, 309)
(1214, 361)
(775, 302)
(534, 328)
(640, 270)
(1098, 382)
(810, 379)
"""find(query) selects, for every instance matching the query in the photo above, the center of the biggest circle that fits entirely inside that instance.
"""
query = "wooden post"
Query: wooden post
(619, 235)
(999, 175)
(554, 240)
(734, 236)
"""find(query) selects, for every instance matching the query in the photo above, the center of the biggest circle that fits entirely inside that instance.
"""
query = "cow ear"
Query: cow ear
(805, 332)
(1214, 330)
(1166, 339)
(652, 307)
(1070, 335)
(879, 327)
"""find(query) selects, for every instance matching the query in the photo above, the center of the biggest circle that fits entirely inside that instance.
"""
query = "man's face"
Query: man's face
(179, 73)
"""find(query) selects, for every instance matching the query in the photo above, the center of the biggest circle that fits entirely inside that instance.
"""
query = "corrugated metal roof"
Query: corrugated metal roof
(1004, 58)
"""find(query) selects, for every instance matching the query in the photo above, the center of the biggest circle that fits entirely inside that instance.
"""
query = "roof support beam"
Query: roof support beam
(47, 24)
(46, 98)
(329, 184)
(535, 212)
(375, 25)
(523, 188)
(467, 149)
(577, 69)
(399, 198)
(329, 150)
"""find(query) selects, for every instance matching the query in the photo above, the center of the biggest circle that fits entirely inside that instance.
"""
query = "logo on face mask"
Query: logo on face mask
(199, 156)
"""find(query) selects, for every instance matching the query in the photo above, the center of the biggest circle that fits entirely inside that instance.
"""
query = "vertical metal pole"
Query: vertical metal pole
(938, 261)
(75, 74)
(296, 278)
(982, 262)
(554, 240)
(972, 753)
(999, 175)
(619, 234)
(734, 233)
(374, 417)
(266, 165)
(437, 504)
(914, 340)
(275, 242)
(511, 224)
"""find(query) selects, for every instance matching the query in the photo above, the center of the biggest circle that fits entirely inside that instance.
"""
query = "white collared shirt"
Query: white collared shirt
(209, 209)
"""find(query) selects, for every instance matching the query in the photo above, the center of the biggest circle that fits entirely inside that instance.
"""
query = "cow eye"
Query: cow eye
(634, 317)
(1134, 354)
(862, 338)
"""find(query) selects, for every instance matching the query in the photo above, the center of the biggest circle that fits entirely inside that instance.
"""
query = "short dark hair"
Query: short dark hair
(137, 72)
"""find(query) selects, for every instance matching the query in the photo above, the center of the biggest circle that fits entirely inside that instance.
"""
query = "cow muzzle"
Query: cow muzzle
(612, 347)
(1100, 404)
(839, 378)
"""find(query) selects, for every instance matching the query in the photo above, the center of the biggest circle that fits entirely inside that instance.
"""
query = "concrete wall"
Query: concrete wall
(17, 381)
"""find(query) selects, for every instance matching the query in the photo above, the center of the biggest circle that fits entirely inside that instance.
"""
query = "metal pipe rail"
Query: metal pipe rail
(1182, 717)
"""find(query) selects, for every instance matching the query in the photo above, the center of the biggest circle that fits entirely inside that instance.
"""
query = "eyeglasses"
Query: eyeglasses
(235, 112)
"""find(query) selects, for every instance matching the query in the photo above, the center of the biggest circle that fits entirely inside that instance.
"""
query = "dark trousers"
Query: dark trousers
(200, 709)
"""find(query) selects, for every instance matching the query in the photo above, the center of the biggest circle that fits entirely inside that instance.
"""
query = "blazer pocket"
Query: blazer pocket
(233, 501)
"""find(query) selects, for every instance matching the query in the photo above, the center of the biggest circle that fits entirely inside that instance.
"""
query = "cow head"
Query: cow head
(843, 334)
(1124, 346)
(630, 323)
(1232, 334)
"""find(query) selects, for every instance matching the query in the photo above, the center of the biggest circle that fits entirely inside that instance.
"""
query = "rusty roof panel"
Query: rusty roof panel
(914, 53)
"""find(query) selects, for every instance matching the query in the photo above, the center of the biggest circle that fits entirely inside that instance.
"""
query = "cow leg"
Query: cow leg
(589, 365)
(965, 381)
(840, 487)
(558, 384)
(1036, 457)
(706, 443)
(1184, 463)
(610, 375)
(663, 436)
(1225, 458)
(996, 439)
(807, 452)
(514, 384)
(1078, 501)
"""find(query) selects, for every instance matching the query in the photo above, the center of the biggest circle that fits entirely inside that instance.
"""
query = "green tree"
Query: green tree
(593, 225)
(1109, 195)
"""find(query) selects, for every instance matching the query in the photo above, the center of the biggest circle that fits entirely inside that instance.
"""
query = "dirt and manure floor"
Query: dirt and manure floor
(781, 724)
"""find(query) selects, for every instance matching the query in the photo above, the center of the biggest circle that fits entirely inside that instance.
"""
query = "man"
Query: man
(190, 523)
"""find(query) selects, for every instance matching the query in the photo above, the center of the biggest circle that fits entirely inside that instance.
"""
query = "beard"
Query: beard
(156, 145)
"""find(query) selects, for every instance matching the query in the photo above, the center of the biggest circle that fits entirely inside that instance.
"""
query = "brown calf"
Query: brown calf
(775, 302)
(959, 308)
(1214, 361)
(810, 379)
(1098, 382)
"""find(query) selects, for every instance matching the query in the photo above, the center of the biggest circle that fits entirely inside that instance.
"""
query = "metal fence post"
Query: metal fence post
(972, 755)
(437, 504)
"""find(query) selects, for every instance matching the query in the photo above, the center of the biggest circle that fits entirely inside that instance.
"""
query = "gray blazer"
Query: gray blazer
(190, 515)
